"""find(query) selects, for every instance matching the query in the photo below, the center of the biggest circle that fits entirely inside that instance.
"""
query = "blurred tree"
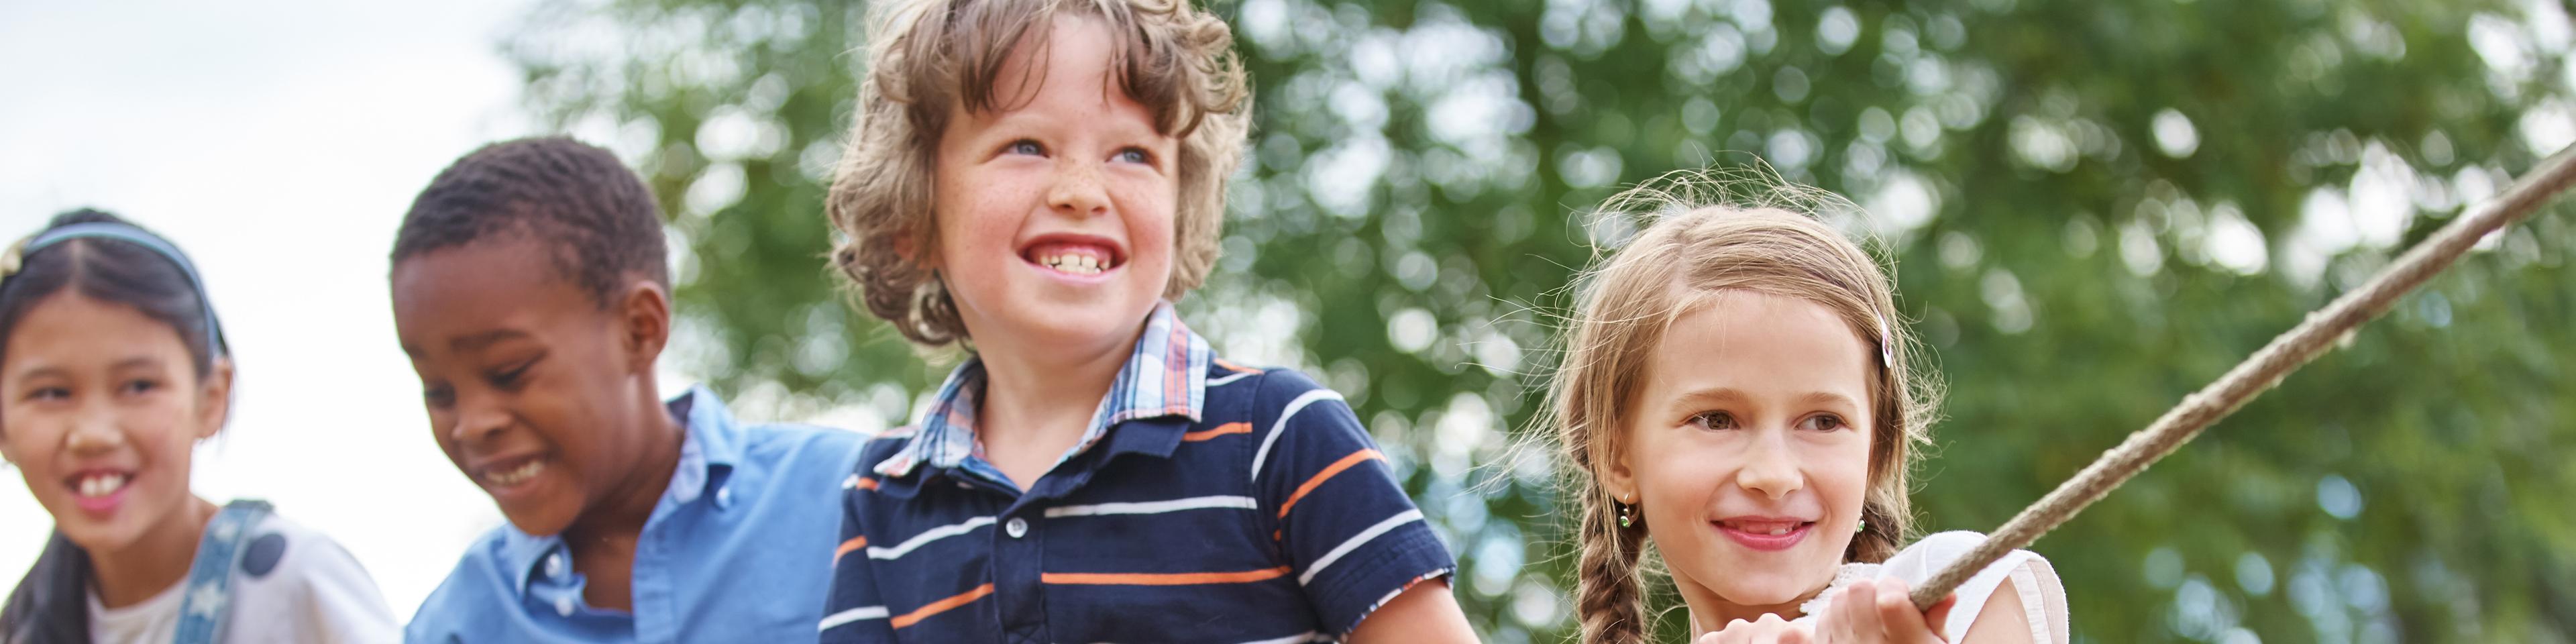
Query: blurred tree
(2098, 208)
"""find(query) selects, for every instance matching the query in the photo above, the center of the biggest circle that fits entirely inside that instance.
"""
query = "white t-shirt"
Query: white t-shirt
(2043, 598)
(292, 585)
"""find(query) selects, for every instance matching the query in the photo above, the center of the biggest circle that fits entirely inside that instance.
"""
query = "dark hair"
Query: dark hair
(575, 198)
(118, 271)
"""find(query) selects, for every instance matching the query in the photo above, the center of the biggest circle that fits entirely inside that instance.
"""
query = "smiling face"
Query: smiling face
(103, 408)
(1747, 448)
(1055, 213)
(531, 386)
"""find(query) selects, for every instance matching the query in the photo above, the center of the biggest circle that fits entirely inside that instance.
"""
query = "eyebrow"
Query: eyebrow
(479, 341)
(1719, 395)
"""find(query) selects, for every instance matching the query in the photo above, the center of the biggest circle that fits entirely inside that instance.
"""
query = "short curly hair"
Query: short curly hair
(929, 55)
(596, 216)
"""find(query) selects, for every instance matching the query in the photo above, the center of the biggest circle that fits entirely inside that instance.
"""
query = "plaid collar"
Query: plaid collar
(1166, 375)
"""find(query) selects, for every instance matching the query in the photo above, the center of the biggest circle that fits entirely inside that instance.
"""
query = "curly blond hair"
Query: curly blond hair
(926, 56)
(1695, 247)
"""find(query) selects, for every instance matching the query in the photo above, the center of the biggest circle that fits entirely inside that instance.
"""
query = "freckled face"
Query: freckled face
(1055, 215)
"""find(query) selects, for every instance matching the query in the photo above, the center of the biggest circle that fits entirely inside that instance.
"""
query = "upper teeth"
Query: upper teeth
(516, 474)
(1074, 263)
(101, 484)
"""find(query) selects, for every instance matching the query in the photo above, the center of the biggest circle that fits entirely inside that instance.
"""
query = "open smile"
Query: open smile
(1074, 255)
(1765, 533)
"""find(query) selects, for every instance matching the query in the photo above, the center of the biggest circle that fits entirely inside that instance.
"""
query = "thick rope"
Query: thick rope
(2259, 372)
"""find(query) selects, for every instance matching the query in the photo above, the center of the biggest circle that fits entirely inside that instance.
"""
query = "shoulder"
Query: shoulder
(802, 449)
(2019, 575)
(477, 585)
(306, 583)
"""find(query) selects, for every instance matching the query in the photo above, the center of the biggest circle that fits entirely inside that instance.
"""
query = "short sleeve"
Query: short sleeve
(853, 611)
(321, 591)
(2024, 574)
(1353, 540)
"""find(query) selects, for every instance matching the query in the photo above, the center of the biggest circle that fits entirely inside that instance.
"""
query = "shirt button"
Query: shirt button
(563, 605)
(1017, 528)
(554, 565)
(724, 497)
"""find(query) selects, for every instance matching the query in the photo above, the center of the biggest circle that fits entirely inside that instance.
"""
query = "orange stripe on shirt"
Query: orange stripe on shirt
(854, 543)
(1161, 578)
(867, 483)
(1232, 366)
(1220, 430)
(941, 606)
(1336, 468)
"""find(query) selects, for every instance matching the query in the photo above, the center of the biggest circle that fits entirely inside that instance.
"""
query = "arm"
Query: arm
(1424, 613)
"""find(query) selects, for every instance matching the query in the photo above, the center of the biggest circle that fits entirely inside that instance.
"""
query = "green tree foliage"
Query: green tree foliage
(2097, 207)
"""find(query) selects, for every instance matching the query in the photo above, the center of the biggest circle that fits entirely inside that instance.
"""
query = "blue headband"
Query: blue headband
(16, 256)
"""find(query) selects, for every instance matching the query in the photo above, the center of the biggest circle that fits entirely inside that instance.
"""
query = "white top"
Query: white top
(2043, 599)
(298, 586)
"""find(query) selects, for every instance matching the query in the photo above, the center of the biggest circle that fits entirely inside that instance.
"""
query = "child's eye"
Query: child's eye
(1133, 155)
(1824, 422)
(1714, 420)
(509, 378)
(49, 393)
(1024, 146)
(440, 397)
(139, 386)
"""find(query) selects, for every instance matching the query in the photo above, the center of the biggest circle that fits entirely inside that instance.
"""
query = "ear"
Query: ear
(1616, 475)
(215, 398)
(644, 324)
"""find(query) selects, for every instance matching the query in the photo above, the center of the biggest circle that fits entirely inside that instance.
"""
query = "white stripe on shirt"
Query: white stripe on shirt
(1357, 540)
(927, 536)
(1239, 375)
(852, 615)
(1290, 411)
(1154, 507)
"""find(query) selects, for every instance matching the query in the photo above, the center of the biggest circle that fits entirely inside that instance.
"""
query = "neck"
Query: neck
(603, 539)
(1710, 612)
(621, 516)
(1044, 397)
(155, 561)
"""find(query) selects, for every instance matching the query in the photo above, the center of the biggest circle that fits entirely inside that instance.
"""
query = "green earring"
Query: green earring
(1863, 526)
(1626, 514)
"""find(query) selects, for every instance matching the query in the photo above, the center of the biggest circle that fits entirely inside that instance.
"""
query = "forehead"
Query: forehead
(1760, 345)
(1066, 58)
(70, 327)
(495, 283)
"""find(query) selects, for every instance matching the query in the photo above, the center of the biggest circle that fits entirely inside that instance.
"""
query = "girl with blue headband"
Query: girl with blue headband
(112, 368)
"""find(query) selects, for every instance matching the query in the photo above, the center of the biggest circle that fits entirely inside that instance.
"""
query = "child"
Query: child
(1733, 394)
(531, 292)
(1036, 180)
(112, 367)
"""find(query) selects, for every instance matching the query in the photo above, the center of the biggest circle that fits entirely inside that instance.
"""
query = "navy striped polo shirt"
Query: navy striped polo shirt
(1207, 503)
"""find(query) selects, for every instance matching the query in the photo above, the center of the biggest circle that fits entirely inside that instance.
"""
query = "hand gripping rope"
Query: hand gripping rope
(2260, 371)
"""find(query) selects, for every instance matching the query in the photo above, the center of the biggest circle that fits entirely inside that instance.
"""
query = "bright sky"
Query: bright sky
(278, 142)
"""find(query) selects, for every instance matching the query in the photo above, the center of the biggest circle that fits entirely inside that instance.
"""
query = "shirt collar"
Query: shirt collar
(1165, 376)
(710, 446)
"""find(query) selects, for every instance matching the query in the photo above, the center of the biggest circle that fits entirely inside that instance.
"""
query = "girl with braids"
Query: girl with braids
(1734, 396)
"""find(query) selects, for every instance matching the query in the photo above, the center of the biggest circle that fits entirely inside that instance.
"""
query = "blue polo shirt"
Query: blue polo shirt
(732, 552)
(1206, 503)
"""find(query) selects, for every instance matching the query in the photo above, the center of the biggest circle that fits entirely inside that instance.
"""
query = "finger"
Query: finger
(1897, 617)
(1854, 613)
(1939, 616)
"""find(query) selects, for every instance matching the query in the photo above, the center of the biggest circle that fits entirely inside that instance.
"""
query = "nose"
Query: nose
(1770, 466)
(94, 431)
(1077, 190)
(477, 420)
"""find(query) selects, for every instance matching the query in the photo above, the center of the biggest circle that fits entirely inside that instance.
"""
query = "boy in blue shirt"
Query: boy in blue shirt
(1037, 180)
(531, 294)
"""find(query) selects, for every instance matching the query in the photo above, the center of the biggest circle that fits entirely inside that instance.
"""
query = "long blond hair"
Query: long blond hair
(1695, 247)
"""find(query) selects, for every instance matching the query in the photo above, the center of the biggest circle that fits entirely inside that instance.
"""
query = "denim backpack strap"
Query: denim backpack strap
(209, 592)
